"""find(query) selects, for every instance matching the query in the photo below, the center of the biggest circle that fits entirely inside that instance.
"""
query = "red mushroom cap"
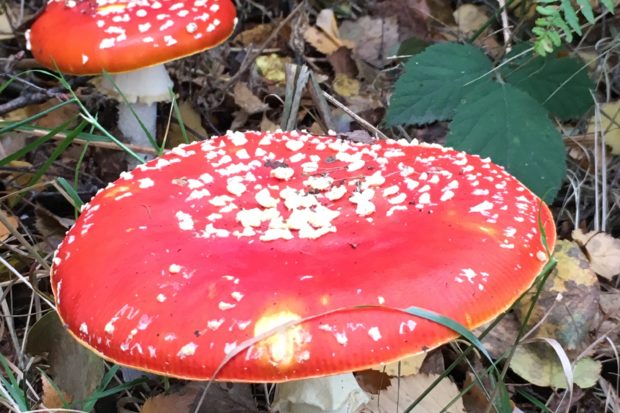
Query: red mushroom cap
(189, 256)
(88, 36)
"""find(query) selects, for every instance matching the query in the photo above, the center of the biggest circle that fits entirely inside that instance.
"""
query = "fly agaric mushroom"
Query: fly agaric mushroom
(200, 254)
(132, 39)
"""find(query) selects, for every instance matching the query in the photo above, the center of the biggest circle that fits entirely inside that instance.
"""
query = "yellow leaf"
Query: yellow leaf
(179, 401)
(191, 120)
(271, 67)
(470, 18)
(345, 86)
(610, 125)
(604, 252)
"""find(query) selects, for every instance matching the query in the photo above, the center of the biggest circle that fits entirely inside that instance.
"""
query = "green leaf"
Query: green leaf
(435, 81)
(571, 16)
(586, 10)
(609, 5)
(514, 130)
(560, 84)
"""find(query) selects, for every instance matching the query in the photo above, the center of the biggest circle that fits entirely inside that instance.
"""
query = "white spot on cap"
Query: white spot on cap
(482, 207)
(145, 183)
(187, 350)
(541, 256)
(374, 333)
(84, 328)
(283, 173)
(264, 199)
(161, 298)
(294, 145)
(186, 223)
(84, 59)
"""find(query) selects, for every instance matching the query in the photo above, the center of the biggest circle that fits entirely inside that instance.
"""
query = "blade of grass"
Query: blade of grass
(69, 193)
(11, 126)
(59, 150)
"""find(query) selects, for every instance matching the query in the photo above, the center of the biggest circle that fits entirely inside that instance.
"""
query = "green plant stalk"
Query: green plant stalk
(57, 152)
(14, 125)
(34, 144)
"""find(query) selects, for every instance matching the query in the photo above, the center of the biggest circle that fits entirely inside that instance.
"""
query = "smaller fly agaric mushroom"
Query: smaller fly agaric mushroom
(291, 256)
(132, 39)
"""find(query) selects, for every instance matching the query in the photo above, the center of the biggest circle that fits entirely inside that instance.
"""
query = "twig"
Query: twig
(505, 24)
(354, 115)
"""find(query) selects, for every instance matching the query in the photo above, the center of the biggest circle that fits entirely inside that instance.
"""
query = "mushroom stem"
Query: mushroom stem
(333, 394)
(136, 133)
(141, 90)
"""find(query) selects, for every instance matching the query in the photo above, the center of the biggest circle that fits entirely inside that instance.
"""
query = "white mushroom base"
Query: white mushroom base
(333, 394)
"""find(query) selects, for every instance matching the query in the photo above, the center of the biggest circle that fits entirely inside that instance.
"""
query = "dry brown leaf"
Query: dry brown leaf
(52, 398)
(404, 391)
(326, 21)
(610, 125)
(266, 125)
(325, 36)
(568, 303)
(178, 402)
(604, 252)
(375, 39)
(248, 101)
(6, 31)
(191, 119)
(255, 35)
(320, 41)
(4, 231)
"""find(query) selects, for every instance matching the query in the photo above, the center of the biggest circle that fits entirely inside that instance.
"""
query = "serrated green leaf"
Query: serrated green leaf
(514, 130)
(571, 16)
(561, 84)
(435, 81)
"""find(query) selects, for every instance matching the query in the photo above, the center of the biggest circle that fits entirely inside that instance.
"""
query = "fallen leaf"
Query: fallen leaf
(340, 393)
(180, 401)
(539, 364)
(4, 231)
(6, 31)
(271, 67)
(221, 397)
(255, 35)
(610, 125)
(266, 125)
(76, 370)
(345, 86)
(603, 251)
(51, 397)
(324, 36)
(469, 18)
(568, 303)
(320, 41)
(502, 336)
(192, 120)
(247, 100)
(405, 367)
(375, 39)
(404, 391)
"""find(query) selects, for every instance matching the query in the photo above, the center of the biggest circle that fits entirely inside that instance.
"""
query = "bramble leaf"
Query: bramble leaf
(514, 130)
(560, 84)
(435, 81)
